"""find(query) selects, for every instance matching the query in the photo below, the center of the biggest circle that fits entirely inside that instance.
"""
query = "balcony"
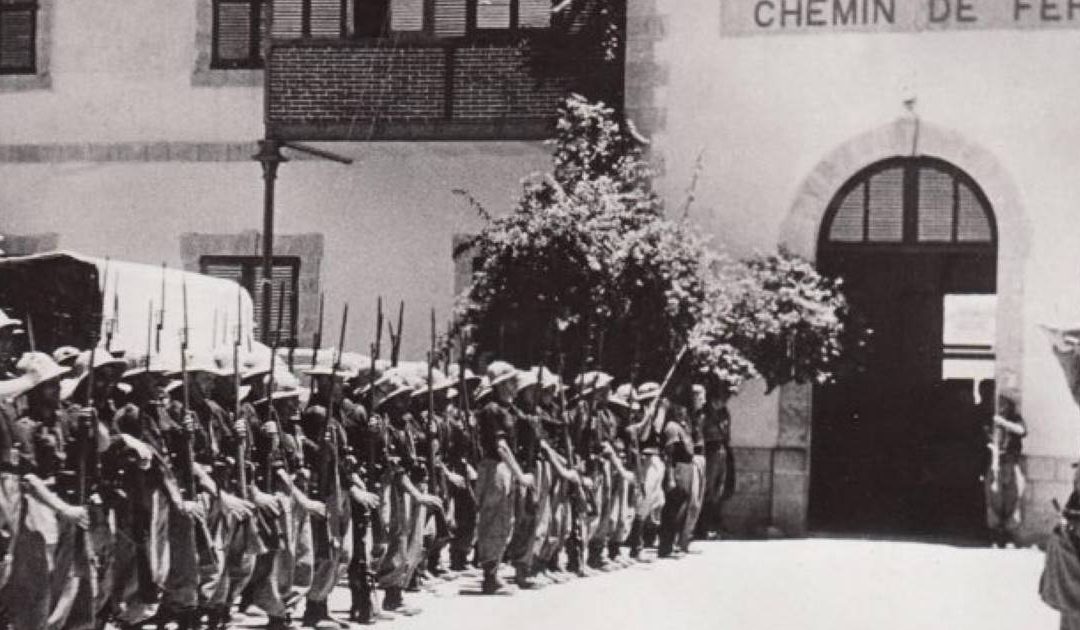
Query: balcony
(434, 70)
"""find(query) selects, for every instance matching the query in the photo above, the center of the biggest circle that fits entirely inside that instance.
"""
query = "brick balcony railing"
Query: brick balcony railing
(415, 90)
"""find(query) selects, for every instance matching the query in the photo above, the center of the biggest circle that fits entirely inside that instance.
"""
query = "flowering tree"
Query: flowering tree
(588, 263)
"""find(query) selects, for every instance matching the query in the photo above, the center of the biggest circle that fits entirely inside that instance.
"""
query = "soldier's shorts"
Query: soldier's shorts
(495, 524)
(651, 497)
(695, 501)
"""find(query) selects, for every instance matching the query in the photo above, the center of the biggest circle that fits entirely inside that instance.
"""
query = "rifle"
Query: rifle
(268, 414)
(376, 349)
(161, 313)
(149, 333)
(650, 417)
(431, 405)
(241, 450)
(318, 332)
(88, 461)
(337, 363)
(185, 405)
(30, 332)
(464, 396)
(395, 352)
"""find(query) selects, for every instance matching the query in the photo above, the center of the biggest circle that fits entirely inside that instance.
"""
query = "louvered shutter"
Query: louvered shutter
(493, 14)
(936, 200)
(973, 222)
(18, 21)
(450, 18)
(847, 223)
(407, 15)
(282, 283)
(326, 18)
(247, 271)
(238, 25)
(534, 13)
(885, 219)
(288, 18)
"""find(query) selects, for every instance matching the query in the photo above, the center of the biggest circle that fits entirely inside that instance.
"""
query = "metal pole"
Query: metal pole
(269, 156)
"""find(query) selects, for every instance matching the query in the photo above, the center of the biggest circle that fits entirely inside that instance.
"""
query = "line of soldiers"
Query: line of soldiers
(133, 492)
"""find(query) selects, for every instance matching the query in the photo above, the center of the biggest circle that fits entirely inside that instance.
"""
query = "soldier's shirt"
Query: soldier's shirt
(403, 434)
(716, 424)
(45, 442)
(460, 448)
(494, 422)
(677, 441)
(529, 432)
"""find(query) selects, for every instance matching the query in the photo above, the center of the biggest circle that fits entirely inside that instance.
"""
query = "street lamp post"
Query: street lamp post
(269, 156)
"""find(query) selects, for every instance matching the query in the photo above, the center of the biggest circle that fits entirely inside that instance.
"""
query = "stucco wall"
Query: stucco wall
(767, 111)
(388, 220)
(123, 71)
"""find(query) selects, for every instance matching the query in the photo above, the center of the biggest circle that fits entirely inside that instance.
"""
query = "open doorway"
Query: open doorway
(897, 449)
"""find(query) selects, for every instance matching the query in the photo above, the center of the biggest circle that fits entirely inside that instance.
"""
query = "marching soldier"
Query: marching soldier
(498, 472)
(403, 504)
(462, 459)
(651, 468)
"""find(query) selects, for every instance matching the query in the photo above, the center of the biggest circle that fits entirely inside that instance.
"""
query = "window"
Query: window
(237, 34)
(456, 18)
(18, 36)
(247, 270)
(911, 201)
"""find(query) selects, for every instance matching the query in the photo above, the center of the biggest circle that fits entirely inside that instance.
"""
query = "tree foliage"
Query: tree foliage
(588, 263)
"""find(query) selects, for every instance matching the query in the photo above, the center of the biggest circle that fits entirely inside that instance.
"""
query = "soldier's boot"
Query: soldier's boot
(395, 602)
(491, 584)
(459, 560)
(187, 620)
(522, 578)
(217, 618)
(278, 623)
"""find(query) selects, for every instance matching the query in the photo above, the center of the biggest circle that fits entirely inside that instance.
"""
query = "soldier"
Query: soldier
(1004, 482)
(553, 515)
(651, 468)
(624, 457)
(435, 437)
(144, 496)
(462, 459)
(283, 571)
(498, 471)
(196, 562)
(363, 467)
(324, 437)
(403, 505)
(678, 450)
(695, 425)
(527, 501)
(596, 428)
(716, 435)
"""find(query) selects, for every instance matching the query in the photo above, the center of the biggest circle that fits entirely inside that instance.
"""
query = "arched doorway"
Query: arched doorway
(897, 448)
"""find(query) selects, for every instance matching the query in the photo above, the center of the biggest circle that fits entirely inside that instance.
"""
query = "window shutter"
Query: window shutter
(18, 20)
(246, 271)
(935, 206)
(407, 15)
(288, 18)
(282, 283)
(326, 18)
(886, 216)
(236, 40)
(450, 18)
(847, 224)
(534, 14)
(493, 14)
(973, 224)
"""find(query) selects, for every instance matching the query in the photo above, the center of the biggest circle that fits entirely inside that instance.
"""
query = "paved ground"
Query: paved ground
(782, 585)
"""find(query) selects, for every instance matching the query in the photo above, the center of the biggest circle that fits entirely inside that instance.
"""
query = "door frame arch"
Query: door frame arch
(800, 234)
